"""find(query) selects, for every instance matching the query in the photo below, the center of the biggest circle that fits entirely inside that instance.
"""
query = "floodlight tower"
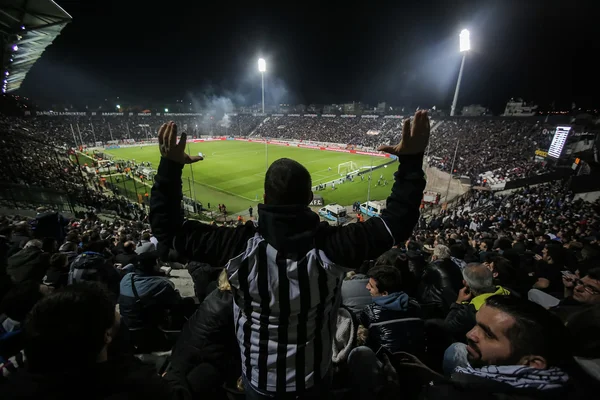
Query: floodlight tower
(262, 67)
(465, 46)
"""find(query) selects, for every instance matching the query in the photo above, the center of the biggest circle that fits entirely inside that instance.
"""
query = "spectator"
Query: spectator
(579, 294)
(267, 305)
(517, 348)
(478, 287)
(14, 307)
(128, 255)
(71, 361)
(147, 298)
(29, 264)
(57, 275)
(94, 266)
(145, 245)
(393, 319)
(206, 354)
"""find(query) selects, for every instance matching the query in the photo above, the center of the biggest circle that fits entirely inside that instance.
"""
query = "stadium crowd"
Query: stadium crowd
(498, 298)
(504, 147)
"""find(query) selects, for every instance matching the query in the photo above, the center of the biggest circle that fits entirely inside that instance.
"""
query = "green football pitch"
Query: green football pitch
(233, 172)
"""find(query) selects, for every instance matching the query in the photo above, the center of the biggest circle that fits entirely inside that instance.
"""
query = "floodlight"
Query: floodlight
(465, 40)
(166, 110)
(262, 65)
(15, 47)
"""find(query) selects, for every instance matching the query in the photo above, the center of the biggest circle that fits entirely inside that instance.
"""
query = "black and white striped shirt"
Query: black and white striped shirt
(284, 314)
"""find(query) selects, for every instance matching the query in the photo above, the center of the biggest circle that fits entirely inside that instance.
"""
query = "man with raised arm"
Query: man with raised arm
(286, 271)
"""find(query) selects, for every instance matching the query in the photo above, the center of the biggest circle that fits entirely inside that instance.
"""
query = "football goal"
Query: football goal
(347, 168)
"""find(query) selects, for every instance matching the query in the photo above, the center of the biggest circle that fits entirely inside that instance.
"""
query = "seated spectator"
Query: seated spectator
(127, 256)
(206, 354)
(478, 287)
(549, 267)
(145, 244)
(29, 264)
(93, 265)
(14, 307)
(355, 295)
(148, 300)
(393, 318)
(579, 294)
(516, 349)
(57, 275)
(584, 327)
(67, 336)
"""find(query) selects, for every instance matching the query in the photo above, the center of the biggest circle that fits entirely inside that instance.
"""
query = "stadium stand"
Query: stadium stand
(522, 243)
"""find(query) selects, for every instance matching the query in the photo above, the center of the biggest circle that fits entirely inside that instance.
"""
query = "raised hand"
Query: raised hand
(169, 148)
(414, 138)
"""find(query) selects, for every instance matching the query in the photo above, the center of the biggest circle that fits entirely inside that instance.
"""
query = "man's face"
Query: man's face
(372, 288)
(487, 343)
(483, 246)
(587, 291)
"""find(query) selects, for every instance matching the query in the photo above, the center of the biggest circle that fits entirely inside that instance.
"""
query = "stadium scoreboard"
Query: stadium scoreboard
(558, 142)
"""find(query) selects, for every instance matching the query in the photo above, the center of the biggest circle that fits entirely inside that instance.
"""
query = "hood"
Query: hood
(480, 300)
(289, 229)
(397, 301)
(88, 259)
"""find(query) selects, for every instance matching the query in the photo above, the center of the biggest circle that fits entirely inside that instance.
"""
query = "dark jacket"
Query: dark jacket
(94, 267)
(439, 287)
(355, 295)
(204, 277)
(461, 318)
(207, 338)
(122, 379)
(125, 258)
(29, 264)
(155, 295)
(394, 322)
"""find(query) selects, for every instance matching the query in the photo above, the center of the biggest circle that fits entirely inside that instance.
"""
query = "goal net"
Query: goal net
(347, 168)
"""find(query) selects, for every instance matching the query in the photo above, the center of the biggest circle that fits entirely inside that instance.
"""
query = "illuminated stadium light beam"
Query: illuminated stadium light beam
(166, 110)
(465, 46)
(262, 67)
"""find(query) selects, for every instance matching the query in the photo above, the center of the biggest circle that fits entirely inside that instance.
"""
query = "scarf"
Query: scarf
(519, 376)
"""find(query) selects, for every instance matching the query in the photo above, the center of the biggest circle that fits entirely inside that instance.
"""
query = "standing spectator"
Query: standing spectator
(287, 272)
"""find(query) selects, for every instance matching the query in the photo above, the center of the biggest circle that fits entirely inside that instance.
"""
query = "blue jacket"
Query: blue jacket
(156, 294)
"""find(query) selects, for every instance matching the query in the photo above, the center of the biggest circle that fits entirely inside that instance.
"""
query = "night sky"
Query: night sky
(402, 52)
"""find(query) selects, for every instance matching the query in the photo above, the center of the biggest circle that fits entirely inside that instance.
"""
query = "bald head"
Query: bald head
(287, 183)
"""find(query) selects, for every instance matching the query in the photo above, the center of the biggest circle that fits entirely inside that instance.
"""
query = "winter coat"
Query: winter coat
(394, 322)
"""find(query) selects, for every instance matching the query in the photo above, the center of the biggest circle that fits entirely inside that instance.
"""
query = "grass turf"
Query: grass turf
(233, 172)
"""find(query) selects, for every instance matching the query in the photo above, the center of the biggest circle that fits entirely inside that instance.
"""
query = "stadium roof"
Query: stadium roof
(26, 29)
